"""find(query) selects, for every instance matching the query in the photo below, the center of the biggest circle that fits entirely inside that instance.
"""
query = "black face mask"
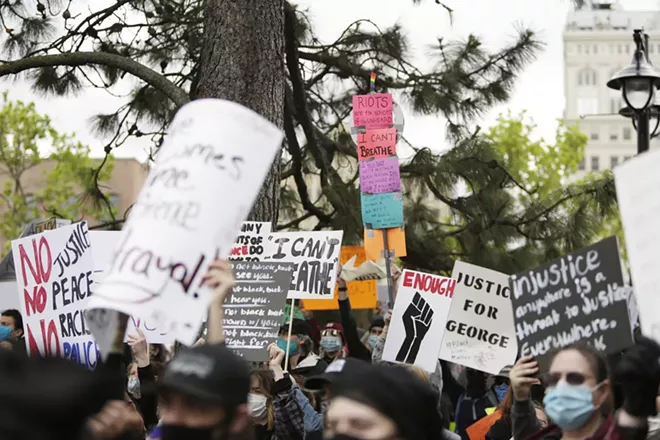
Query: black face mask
(176, 432)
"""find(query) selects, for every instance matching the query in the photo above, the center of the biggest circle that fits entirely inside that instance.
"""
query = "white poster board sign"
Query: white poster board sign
(189, 211)
(480, 331)
(252, 243)
(54, 274)
(103, 243)
(418, 319)
(637, 183)
(316, 256)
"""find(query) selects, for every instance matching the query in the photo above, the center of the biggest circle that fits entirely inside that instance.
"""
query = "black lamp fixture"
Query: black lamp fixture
(638, 83)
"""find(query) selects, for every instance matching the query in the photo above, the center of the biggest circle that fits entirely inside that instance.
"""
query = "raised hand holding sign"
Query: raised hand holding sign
(417, 321)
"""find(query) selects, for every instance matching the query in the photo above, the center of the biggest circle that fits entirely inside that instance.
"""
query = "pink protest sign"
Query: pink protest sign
(377, 144)
(380, 176)
(373, 111)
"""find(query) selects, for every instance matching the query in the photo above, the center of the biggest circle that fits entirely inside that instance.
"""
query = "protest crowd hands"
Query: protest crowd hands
(117, 417)
(521, 377)
(220, 278)
(139, 348)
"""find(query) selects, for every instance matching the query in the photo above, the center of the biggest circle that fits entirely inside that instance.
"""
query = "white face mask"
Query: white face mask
(257, 404)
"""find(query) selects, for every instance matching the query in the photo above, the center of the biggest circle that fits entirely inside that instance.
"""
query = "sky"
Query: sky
(539, 90)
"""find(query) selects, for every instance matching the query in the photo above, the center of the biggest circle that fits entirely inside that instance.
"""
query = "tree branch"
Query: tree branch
(151, 77)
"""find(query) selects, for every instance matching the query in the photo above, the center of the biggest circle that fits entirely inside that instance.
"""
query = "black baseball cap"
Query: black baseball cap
(211, 373)
(298, 327)
(335, 372)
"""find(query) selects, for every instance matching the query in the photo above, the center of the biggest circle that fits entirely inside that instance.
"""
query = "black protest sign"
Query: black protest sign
(579, 296)
(255, 309)
(251, 244)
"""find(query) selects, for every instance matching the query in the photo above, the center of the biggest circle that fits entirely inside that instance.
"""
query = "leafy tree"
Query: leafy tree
(264, 54)
(70, 187)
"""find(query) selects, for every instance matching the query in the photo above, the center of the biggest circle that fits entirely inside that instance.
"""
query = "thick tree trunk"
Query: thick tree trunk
(242, 60)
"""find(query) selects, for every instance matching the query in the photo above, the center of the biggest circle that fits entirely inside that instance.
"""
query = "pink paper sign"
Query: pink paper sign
(380, 176)
(373, 110)
(377, 144)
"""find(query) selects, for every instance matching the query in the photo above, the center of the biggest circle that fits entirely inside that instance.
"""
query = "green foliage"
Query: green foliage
(69, 187)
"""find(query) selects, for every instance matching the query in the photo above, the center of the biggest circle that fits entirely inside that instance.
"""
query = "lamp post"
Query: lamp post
(638, 83)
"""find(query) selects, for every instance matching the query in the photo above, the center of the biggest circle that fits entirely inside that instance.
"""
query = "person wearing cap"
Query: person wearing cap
(375, 330)
(204, 389)
(377, 402)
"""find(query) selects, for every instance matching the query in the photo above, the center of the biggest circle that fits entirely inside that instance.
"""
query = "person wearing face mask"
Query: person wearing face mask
(332, 342)
(273, 403)
(11, 330)
(578, 399)
(375, 330)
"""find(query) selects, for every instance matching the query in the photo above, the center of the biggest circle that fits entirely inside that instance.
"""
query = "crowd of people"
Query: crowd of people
(335, 386)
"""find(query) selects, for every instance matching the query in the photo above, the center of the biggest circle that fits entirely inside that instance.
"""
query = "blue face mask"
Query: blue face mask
(5, 332)
(292, 346)
(500, 391)
(330, 344)
(373, 339)
(569, 406)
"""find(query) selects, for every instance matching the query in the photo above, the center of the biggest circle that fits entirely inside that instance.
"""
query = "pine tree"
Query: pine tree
(265, 54)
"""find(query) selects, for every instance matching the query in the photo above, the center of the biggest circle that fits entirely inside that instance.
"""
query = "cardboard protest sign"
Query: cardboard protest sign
(579, 296)
(637, 183)
(418, 319)
(50, 224)
(361, 294)
(252, 244)
(374, 244)
(380, 176)
(254, 311)
(103, 244)
(382, 211)
(373, 110)
(480, 332)
(202, 186)
(54, 274)
(316, 256)
(376, 144)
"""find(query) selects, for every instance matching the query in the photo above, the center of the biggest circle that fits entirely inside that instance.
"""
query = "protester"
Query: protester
(295, 345)
(502, 428)
(474, 402)
(332, 346)
(578, 397)
(377, 402)
(11, 330)
(273, 404)
(375, 330)
(141, 375)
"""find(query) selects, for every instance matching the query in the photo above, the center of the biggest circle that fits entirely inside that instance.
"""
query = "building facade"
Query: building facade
(598, 43)
(122, 189)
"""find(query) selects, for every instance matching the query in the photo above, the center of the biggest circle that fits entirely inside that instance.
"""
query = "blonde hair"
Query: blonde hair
(420, 373)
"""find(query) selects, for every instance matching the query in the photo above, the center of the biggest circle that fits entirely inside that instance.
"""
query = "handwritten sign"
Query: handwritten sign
(254, 311)
(380, 176)
(54, 274)
(362, 294)
(579, 296)
(316, 257)
(251, 243)
(418, 319)
(202, 186)
(381, 211)
(480, 332)
(373, 111)
(376, 144)
(637, 183)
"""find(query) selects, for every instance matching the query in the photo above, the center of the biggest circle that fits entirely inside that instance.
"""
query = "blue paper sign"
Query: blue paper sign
(381, 211)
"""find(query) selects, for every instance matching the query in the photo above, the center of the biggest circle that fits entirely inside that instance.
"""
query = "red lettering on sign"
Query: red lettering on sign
(429, 283)
(41, 269)
(35, 303)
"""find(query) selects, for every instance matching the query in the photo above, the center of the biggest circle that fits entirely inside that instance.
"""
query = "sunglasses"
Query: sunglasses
(330, 332)
(552, 379)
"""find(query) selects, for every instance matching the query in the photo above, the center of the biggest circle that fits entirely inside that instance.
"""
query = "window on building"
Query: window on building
(594, 78)
(586, 48)
(627, 133)
(595, 49)
(614, 136)
(626, 158)
(587, 106)
(594, 136)
(587, 77)
(614, 161)
(595, 163)
(627, 48)
(579, 48)
(619, 49)
(581, 165)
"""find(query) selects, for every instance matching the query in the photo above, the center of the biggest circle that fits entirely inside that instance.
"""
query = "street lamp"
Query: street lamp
(654, 116)
(638, 83)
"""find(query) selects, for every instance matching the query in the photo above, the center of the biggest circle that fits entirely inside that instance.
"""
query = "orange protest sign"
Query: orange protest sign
(479, 429)
(362, 294)
(377, 144)
(373, 242)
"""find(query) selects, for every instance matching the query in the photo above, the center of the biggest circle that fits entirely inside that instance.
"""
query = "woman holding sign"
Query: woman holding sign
(578, 396)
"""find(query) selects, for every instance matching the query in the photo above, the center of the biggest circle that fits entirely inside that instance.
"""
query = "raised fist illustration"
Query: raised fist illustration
(416, 321)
